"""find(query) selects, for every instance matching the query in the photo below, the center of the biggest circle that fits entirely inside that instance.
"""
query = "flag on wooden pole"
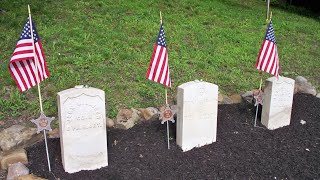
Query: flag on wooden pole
(158, 70)
(22, 64)
(268, 60)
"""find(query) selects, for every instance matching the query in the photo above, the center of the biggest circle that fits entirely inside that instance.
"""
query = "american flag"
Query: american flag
(159, 68)
(22, 64)
(268, 60)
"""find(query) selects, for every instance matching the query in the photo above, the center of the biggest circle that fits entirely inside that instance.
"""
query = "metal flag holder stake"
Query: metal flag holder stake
(43, 122)
(258, 100)
(259, 97)
(167, 115)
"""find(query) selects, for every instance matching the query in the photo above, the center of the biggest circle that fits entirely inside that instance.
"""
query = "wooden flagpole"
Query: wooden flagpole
(38, 84)
(36, 60)
(166, 94)
(268, 9)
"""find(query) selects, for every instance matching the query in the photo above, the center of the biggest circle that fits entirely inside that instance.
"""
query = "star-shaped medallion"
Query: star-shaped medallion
(258, 98)
(167, 114)
(43, 123)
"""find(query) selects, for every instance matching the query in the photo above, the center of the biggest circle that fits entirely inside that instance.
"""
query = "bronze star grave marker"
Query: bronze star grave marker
(43, 123)
(167, 115)
(259, 98)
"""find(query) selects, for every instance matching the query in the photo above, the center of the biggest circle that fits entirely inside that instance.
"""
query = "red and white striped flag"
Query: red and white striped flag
(22, 64)
(159, 67)
(268, 60)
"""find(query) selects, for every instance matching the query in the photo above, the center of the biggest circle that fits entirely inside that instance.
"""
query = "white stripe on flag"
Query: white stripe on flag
(29, 72)
(18, 56)
(17, 77)
(168, 81)
(267, 55)
(22, 72)
(34, 70)
(154, 62)
(275, 67)
(164, 70)
(158, 71)
(271, 59)
(41, 61)
(23, 41)
(23, 48)
(261, 55)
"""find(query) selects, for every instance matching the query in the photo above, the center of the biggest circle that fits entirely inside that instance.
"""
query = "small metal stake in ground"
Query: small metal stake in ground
(258, 100)
(167, 115)
(44, 123)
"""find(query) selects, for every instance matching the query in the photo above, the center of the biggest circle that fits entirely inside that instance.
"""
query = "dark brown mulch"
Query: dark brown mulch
(241, 151)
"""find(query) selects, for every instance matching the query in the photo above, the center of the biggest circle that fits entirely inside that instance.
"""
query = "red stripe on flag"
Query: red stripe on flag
(44, 59)
(26, 73)
(32, 72)
(273, 68)
(258, 60)
(162, 67)
(39, 65)
(157, 63)
(166, 77)
(269, 59)
(21, 59)
(151, 60)
(276, 68)
(264, 54)
(22, 52)
(24, 45)
(15, 78)
(20, 76)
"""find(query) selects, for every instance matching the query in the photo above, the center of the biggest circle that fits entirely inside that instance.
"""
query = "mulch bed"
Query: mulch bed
(241, 151)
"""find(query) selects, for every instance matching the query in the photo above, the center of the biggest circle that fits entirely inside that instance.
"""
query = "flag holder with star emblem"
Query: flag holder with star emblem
(259, 96)
(167, 115)
(159, 72)
(43, 122)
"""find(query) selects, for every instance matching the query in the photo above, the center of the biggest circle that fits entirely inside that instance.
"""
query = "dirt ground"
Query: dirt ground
(241, 151)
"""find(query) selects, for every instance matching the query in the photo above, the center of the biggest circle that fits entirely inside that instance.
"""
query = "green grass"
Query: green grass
(108, 45)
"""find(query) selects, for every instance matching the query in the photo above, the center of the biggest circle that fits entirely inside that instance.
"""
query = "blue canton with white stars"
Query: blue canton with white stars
(161, 41)
(270, 33)
(25, 34)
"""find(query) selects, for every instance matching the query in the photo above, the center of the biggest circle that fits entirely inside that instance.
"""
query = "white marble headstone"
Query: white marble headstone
(277, 102)
(83, 135)
(197, 114)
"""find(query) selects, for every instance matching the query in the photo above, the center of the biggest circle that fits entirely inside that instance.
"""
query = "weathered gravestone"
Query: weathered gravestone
(197, 114)
(277, 102)
(83, 135)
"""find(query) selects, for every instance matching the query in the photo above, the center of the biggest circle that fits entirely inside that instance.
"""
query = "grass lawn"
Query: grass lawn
(108, 45)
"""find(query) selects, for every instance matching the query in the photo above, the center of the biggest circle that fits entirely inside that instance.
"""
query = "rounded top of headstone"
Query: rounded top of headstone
(281, 79)
(79, 90)
(196, 83)
(79, 86)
